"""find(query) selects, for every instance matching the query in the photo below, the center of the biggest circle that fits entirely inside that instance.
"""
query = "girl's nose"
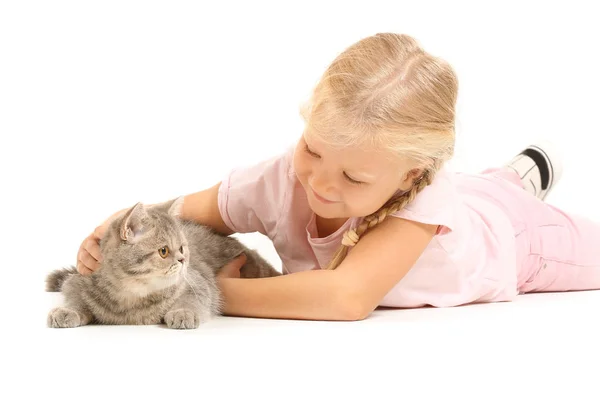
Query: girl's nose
(320, 181)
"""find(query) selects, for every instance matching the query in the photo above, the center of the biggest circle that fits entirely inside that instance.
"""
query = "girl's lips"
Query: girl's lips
(321, 198)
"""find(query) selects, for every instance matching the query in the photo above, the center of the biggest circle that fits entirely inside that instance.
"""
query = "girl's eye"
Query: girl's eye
(353, 181)
(163, 251)
(309, 151)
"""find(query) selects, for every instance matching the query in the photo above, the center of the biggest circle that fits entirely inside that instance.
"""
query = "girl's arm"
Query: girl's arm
(203, 207)
(351, 292)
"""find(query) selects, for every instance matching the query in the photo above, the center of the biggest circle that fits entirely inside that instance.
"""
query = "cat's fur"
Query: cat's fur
(135, 285)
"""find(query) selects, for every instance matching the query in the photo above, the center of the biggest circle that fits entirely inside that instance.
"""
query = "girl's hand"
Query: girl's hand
(88, 256)
(232, 269)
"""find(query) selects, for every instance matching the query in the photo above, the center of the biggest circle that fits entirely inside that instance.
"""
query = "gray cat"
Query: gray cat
(156, 269)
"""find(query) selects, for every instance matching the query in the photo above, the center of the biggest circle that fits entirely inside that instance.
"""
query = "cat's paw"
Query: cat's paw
(61, 317)
(182, 319)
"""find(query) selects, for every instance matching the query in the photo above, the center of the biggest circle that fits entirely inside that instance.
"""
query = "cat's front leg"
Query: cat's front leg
(196, 305)
(64, 317)
(182, 318)
(188, 312)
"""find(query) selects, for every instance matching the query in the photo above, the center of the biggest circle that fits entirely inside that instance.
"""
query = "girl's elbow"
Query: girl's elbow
(350, 302)
(353, 308)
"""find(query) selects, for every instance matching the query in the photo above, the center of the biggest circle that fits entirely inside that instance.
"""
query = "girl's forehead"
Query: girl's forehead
(358, 149)
(360, 158)
(330, 144)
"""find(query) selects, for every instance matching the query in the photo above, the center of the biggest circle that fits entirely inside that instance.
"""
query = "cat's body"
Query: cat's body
(144, 280)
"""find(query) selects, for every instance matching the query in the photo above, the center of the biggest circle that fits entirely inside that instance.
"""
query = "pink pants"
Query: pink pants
(556, 251)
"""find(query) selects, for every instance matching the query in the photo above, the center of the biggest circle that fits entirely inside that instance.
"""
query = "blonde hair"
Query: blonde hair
(386, 91)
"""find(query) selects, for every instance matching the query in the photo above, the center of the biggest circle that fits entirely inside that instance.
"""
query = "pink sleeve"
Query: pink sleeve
(251, 199)
(435, 204)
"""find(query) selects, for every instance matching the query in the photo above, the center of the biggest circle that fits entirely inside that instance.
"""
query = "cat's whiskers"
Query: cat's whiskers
(192, 287)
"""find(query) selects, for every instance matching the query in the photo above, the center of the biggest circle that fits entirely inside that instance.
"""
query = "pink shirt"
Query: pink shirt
(472, 258)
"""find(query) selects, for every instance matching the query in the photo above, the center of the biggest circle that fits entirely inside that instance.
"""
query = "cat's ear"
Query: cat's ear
(132, 224)
(172, 207)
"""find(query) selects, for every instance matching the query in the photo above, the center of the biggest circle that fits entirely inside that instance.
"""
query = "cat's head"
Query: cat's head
(146, 246)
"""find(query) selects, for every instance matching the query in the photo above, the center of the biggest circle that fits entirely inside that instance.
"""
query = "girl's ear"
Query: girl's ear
(410, 177)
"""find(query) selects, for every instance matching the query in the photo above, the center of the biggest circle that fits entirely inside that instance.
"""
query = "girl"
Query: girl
(364, 213)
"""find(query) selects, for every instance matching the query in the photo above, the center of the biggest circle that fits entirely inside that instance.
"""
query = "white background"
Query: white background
(104, 104)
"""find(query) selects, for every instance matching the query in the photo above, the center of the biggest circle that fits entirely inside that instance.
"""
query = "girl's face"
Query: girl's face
(348, 182)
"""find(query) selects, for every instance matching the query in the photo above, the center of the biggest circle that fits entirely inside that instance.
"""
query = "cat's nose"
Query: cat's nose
(181, 260)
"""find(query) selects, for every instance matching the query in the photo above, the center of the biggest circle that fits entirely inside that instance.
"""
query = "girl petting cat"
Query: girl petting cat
(364, 212)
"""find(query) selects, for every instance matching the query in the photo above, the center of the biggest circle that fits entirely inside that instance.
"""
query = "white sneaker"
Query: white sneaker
(539, 166)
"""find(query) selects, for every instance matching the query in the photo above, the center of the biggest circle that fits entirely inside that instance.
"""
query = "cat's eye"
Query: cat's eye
(181, 249)
(164, 251)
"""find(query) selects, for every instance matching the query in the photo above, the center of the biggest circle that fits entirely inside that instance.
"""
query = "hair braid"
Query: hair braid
(352, 236)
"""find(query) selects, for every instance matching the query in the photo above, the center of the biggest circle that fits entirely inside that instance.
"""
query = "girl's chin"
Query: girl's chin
(328, 211)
